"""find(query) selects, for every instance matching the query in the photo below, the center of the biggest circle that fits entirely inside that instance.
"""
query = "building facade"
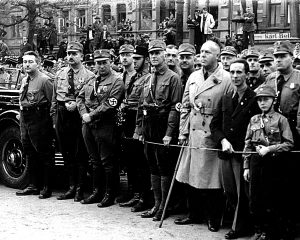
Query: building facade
(275, 19)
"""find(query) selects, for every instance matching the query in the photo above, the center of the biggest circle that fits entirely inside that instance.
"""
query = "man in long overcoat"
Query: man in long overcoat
(199, 168)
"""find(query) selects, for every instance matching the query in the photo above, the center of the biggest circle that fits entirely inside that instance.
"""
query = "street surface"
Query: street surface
(28, 217)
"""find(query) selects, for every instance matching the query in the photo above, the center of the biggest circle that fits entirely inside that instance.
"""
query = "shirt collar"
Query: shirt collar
(285, 76)
(77, 70)
(162, 69)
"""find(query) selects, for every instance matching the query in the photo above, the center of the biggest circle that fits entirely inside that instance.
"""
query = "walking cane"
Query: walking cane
(171, 187)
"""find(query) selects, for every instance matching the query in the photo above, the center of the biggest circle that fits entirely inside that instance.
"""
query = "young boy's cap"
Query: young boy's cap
(265, 91)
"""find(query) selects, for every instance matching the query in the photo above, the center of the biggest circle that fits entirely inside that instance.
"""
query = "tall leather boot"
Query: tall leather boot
(96, 194)
(141, 205)
(165, 185)
(109, 196)
(47, 190)
(79, 194)
(156, 187)
(69, 194)
(72, 184)
(32, 188)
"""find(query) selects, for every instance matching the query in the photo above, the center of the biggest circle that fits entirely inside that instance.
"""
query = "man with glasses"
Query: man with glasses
(97, 103)
(66, 119)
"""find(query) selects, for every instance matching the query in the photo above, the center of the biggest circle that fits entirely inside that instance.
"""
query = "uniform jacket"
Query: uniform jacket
(232, 117)
(101, 101)
(168, 92)
(61, 86)
(208, 24)
(271, 130)
(133, 90)
(200, 168)
(254, 82)
(39, 91)
(290, 96)
(249, 25)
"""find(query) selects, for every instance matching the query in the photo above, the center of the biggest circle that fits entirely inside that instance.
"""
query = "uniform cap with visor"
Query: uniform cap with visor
(283, 47)
(229, 50)
(265, 91)
(186, 48)
(74, 46)
(157, 45)
(101, 55)
(126, 48)
(266, 57)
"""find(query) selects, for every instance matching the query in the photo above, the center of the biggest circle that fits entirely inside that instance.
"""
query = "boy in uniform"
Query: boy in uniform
(268, 134)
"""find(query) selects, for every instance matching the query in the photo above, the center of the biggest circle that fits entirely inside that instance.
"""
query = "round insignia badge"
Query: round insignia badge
(112, 102)
(178, 106)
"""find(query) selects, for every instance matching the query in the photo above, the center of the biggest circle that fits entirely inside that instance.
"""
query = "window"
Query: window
(16, 29)
(106, 13)
(63, 22)
(163, 10)
(166, 9)
(274, 14)
(288, 22)
(80, 20)
(146, 14)
(213, 10)
(121, 11)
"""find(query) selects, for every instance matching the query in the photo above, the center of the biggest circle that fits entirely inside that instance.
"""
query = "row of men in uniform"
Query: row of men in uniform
(160, 107)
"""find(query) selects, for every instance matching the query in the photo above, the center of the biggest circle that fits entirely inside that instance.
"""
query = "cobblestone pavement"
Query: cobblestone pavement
(28, 217)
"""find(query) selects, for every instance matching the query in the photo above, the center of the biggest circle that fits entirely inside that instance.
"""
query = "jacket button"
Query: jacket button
(231, 129)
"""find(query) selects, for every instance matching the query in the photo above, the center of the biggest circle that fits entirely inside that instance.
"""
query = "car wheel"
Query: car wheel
(13, 165)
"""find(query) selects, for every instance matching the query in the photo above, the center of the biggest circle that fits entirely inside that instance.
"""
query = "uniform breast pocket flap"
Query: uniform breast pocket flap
(163, 90)
(255, 128)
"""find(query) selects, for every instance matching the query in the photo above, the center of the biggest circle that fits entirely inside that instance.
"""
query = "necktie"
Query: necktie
(130, 85)
(153, 85)
(124, 76)
(71, 81)
(280, 82)
(205, 75)
(25, 89)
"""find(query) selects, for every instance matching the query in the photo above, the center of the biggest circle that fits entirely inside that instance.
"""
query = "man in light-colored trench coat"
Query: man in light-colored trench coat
(199, 168)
